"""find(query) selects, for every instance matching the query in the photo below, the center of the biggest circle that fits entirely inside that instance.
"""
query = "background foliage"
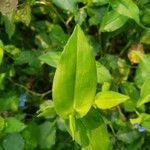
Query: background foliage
(33, 34)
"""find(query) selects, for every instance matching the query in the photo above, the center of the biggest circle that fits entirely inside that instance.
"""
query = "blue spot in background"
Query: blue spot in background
(22, 100)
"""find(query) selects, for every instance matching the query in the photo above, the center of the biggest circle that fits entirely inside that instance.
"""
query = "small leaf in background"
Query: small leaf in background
(80, 17)
(23, 14)
(96, 14)
(13, 142)
(13, 125)
(47, 135)
(9, 101)
(28, 57)
(46, 109)
(9, 25)
(109, 99)
(11, 49)
(145, 93)
(91, 132)
(98, 134)
(31, 136)
(69, 5)
(146, 15)
(112, 21)
(145, 38)
(2, 123)
(128, 88)
(76, 70)
(127, 8)
(128, 136)
(103, 74)
(51, 58)
(143, 69)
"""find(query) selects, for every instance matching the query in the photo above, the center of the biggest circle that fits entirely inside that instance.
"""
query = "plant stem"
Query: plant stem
(30, 91)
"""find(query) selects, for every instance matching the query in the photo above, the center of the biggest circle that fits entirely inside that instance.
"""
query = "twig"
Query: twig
(30, 91)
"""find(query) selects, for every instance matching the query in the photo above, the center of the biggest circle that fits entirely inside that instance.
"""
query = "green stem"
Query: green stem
(121, 113)
(30, 91)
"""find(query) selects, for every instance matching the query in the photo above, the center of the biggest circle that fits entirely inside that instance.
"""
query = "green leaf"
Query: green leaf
(9, 25)
(23, 14)
(98, 135)
(13, 125)
(128, 136)
(51, 58)
(1, 55)
(69, 5)
(13, 142)
(145, 93)
(46, 109)
(112, 21)
(47, 135)
(100, 2)
(75, 79)
(127, 8)
(145, 121)
(91, 132)
(28, 57)
(103, 74)
(31, 136)
(2, 123)
(145, 38)
(109, 99)
(129, 89)
(143, 70)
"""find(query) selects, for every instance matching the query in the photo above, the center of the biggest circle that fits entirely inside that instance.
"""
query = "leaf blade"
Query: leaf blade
(127, 8)
(112, 21)
(76, 70)
(109, 99)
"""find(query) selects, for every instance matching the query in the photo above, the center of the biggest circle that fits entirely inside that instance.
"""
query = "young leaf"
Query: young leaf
(109, 99)
(112, 21)
(145, 93)
(75, 79)
(127, 8)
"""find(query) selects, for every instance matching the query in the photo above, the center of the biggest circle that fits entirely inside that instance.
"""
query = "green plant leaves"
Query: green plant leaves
(91, 132)
(51, 58)
(2, 123)
(109, 99)
(13, 125)
(145, 93)
(69, 5)
(127, 8)
(145, 38)
(103, 74)
(74, 84)
(13, 142)
(112, 21)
